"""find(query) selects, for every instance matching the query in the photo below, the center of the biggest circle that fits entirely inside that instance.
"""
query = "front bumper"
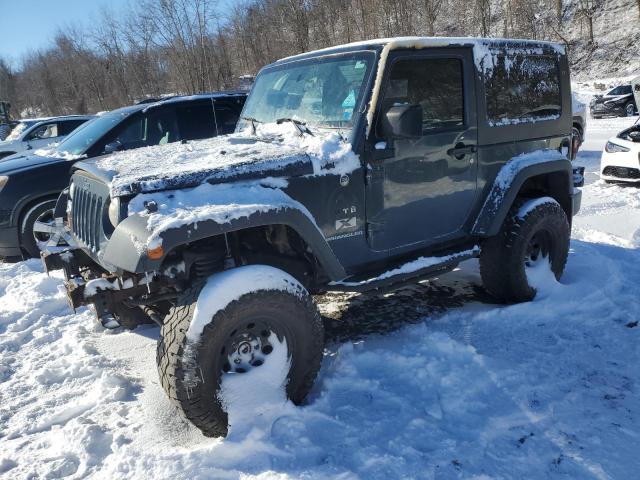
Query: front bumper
(621, 166)
(10, 242)
(601, 110)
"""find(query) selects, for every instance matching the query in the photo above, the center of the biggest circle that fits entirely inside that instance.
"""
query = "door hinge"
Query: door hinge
(375, 174)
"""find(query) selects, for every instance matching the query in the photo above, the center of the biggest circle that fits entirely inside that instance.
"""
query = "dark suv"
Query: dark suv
(361, 167)
(31, 183)
(618, 102)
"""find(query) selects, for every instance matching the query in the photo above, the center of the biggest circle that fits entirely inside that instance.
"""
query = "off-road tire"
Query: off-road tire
(179, 363)
(27, 241)
(502, 257)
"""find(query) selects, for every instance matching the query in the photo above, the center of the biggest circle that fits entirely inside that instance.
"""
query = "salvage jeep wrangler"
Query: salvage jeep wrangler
(354, 168)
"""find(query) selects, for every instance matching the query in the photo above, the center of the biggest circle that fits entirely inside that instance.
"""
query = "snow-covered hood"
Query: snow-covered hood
(275, 151)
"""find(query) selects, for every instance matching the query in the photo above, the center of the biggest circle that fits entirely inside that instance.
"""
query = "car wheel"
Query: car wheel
(576, 141)
(36, 227)
(630, 109)
(535, 231)
(234, 340)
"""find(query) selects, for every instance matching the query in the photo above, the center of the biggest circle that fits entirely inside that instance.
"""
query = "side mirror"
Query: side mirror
(635, 136)
(28, 146)
(112, 147)
(402, 121)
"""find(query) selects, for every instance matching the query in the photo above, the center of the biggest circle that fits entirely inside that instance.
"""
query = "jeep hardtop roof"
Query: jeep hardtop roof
(479, 43)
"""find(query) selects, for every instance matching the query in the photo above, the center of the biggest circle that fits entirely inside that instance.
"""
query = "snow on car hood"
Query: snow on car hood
(274, 149)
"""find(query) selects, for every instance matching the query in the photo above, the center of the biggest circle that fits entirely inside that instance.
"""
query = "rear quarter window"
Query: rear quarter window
(522, 88)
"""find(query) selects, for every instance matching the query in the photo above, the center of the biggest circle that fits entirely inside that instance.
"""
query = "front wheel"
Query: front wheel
(205, 338)
(535, 231)
(36, 228)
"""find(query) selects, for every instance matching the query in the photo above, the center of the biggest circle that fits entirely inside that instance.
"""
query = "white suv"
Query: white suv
(40, 132)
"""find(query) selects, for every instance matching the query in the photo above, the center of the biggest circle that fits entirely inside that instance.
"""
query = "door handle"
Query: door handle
(460, 150)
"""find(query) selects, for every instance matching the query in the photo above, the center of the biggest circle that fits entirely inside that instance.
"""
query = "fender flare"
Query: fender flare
(510, 180)
(126, 250)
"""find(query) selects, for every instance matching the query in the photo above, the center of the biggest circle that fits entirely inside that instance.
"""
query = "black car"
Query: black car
(618, 102)
(30, 183)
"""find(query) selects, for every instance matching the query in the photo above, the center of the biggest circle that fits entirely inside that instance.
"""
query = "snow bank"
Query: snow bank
(547, 389)
(257, 398)
(220, 203)
(275, 148)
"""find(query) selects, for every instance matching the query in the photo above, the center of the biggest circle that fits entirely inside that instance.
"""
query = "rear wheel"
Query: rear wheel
(37, 227)
(630, 109)
(236, 339)
(535, 231)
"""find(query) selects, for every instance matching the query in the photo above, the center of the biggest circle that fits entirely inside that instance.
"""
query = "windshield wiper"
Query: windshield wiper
(253, 123)
(301, 126)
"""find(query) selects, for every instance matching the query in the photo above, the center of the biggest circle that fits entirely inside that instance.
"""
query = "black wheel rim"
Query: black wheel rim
(539, 249)
(249, 346)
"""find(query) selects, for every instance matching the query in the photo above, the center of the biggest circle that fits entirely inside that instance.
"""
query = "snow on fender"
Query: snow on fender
(223, 288)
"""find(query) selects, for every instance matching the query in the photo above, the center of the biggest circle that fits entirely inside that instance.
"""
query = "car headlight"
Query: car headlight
(3, 181)
(611, 147)
(114, 211)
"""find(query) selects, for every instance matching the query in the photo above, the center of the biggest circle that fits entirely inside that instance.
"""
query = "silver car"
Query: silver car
(40, 132)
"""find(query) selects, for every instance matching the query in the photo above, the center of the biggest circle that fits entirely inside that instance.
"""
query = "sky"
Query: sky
(31, 24)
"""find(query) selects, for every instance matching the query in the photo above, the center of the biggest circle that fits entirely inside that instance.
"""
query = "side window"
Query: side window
(68, 126)
(522, 88)
(196, 121)
(48, 130)
(226, 118)
(436, 84)
(626, 90)
(156, 127)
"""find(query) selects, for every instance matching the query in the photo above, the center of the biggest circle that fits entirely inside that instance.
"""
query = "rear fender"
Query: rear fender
(510, 180)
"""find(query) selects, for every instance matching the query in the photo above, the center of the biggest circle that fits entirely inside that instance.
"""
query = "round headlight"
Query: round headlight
(114, 211)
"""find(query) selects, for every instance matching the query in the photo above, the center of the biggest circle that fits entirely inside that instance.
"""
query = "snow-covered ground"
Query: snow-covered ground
(450, 386)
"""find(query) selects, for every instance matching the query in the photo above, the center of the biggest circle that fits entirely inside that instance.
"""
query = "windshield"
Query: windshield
(322, 92)
(78, 142)
(18, 130)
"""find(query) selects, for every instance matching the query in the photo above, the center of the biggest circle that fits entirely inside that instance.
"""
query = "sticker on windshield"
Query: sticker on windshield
(359, 64)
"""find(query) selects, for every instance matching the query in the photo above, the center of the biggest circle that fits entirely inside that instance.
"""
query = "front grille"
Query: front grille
(622, 172)
(89, 197)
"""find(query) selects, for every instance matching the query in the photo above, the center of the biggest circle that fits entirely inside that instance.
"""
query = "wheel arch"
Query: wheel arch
(123, 249)
(552, 177)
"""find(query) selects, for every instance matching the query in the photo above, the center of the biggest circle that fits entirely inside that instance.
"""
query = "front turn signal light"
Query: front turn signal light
(155, 253)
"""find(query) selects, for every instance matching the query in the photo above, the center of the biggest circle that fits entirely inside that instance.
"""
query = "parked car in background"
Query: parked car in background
(36, 133)
(31, 182)
(579, 119)
(5, 120)
(620, 160)
(618, 102)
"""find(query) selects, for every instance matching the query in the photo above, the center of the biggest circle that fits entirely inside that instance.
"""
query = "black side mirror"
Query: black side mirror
(634, 136)
(112, 147)
(402, 121)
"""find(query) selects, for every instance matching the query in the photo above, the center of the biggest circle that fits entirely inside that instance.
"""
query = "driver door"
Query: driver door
(421, 190)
